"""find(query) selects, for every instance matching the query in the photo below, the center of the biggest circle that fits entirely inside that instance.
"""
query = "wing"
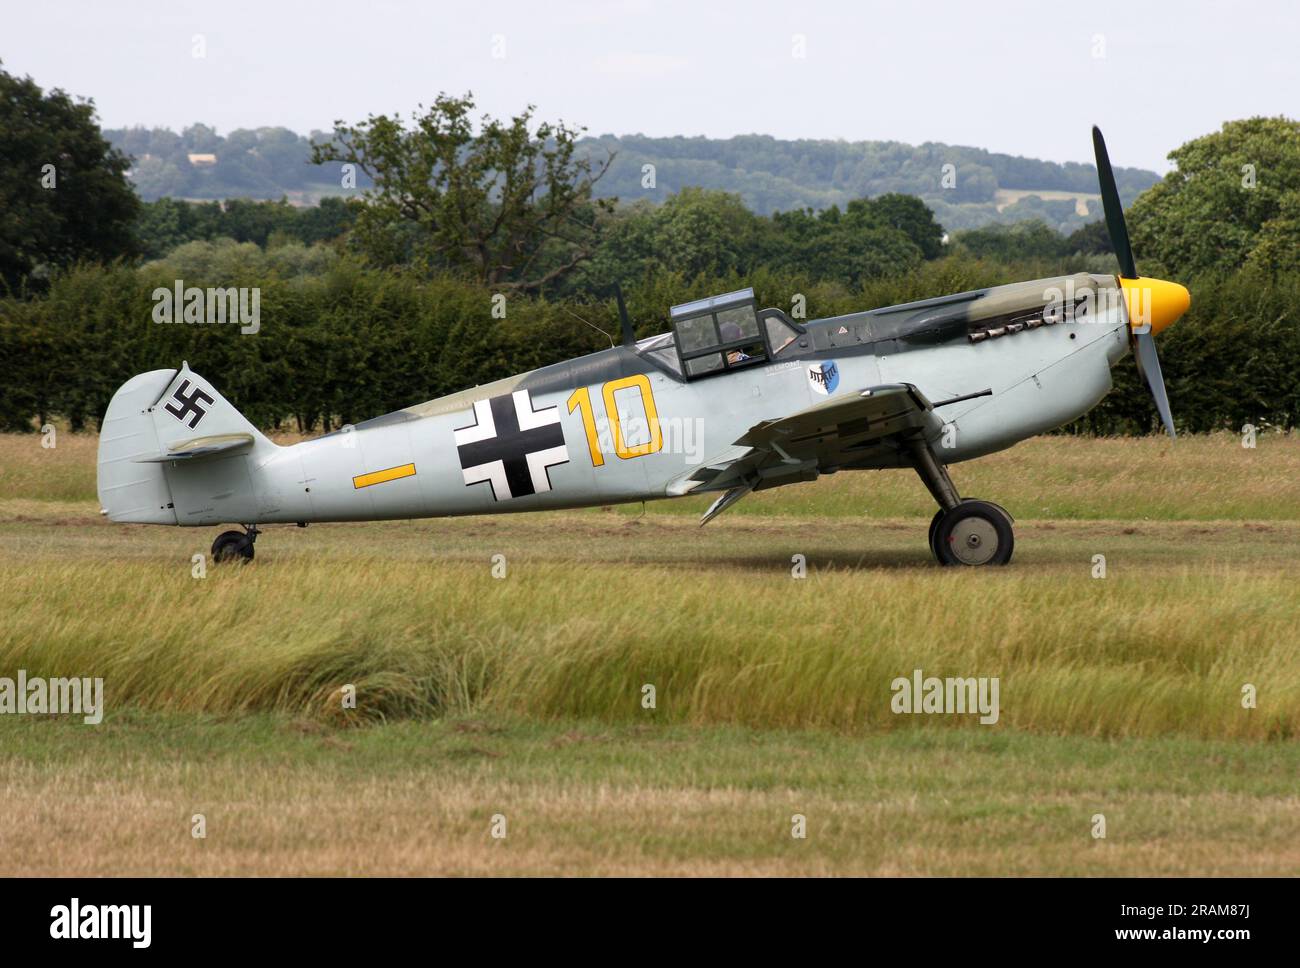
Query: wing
(865, 429)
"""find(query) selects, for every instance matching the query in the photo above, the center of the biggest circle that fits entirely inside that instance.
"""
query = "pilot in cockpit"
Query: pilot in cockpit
(730, 332)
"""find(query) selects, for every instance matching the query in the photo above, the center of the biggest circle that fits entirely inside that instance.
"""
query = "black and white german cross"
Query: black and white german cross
(511, 446)
(191, 406)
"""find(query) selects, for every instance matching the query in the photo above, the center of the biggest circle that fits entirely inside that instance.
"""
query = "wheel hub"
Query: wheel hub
(974, 541)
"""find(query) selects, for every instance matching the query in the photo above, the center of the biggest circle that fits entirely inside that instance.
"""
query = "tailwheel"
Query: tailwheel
(234, 546)
(973, 533)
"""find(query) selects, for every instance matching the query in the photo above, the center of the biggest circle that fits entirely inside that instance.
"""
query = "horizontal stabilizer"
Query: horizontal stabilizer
(196, 448)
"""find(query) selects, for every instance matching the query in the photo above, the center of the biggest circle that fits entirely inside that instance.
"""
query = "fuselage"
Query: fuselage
(620, 425)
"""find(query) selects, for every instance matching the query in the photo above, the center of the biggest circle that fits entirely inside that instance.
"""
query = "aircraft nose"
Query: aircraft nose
(1154, 302)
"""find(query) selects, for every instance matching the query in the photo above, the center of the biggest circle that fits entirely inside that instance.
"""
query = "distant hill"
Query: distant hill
(775, 175)
(198, 163)
(768, 173)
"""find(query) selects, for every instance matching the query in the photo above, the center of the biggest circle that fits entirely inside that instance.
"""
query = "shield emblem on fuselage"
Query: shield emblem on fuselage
(824, 377)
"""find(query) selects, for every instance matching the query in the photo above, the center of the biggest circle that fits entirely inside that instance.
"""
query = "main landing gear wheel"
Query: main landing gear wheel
(233, 546)
(964, 532)
(974, 533)
(938, 516)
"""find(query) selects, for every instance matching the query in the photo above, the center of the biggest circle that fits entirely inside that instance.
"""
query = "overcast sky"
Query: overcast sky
(1024, 78)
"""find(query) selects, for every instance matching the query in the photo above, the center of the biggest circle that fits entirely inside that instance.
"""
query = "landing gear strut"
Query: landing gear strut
(235, 545)
(964, 531)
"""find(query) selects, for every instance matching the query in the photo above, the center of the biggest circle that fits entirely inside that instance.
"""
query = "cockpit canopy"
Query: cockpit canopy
(720, 334)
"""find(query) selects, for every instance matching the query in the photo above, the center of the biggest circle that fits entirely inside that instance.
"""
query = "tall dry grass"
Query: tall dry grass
(1164, 653)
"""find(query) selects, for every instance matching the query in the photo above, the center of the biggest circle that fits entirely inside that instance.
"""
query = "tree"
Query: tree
(1092, 239)
(1232, 200)
(695, 232)
(1277, 248)
(328, 220)
(64, 196)
(1007, 243)
(704, 232)
(851, 246)
(909, 215)
(510, 205)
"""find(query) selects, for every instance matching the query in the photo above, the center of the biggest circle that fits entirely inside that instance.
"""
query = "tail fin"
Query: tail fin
(154, 422)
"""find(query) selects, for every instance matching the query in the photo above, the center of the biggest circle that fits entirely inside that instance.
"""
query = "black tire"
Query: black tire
(232, 546)
(975, 533)
(934, 529)
(991, 504)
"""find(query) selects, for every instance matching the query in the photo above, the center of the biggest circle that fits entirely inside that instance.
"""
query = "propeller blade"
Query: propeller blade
(1149, 367)
(1113, 208)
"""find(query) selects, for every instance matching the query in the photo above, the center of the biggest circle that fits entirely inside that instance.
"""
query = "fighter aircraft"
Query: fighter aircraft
(922, 385)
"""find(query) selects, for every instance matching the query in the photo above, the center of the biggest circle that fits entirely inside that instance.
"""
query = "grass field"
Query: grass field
(522, 695)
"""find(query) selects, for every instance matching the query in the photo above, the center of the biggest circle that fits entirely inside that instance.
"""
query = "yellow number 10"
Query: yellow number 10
(580, 399)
